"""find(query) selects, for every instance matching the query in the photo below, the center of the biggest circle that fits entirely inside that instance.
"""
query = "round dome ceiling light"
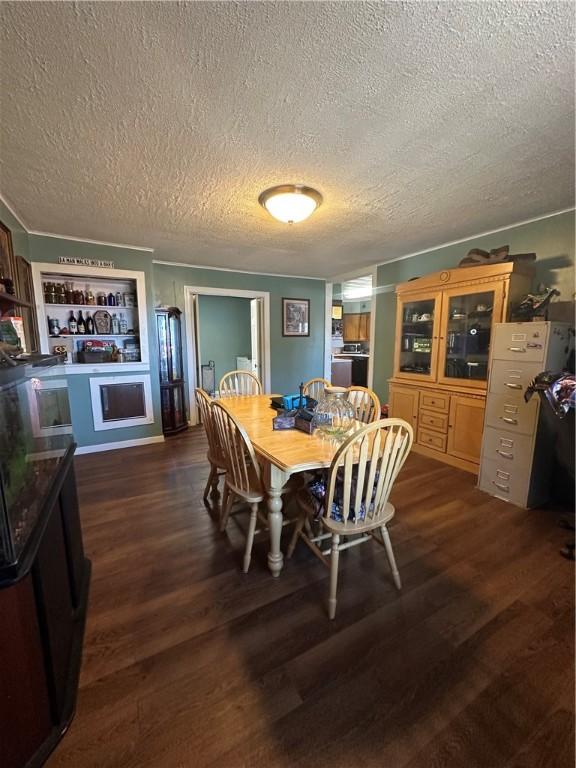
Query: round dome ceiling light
(290, 203)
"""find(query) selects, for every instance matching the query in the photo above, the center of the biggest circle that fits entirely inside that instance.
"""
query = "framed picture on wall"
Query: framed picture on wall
(7, 264)
(295, 317)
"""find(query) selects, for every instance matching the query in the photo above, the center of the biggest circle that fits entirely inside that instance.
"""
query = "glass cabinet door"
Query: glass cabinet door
(467, 318)
(176, 347)
(162, 324)
(416, 351)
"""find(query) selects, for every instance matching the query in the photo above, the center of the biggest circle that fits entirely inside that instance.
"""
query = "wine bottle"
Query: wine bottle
(81, 324)
(89, 324)
(72, 324)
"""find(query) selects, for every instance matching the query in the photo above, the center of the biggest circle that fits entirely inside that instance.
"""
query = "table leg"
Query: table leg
(276, 481)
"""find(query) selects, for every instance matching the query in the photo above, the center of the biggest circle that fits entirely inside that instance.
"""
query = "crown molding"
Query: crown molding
(13, 212)
(230, 269)
(474, 237)
(91, 242)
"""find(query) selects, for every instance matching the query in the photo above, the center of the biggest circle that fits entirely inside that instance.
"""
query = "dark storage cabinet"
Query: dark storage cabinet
(168, 326)
(44, 574)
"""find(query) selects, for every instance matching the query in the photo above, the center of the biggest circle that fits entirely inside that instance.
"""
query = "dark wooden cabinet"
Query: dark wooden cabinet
(172, 398)
(43, 601)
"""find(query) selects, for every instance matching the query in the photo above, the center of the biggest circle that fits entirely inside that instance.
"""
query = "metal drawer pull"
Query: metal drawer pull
(516, 349)
(512, 386)
(505, 454)
(508, 420)
(502, 487)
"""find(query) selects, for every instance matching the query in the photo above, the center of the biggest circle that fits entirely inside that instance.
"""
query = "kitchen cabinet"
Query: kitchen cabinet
(356, 326)
(444, 327)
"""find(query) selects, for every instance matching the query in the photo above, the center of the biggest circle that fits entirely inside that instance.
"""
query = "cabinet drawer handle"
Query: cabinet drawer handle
(505, 454)
(516, 349)
(502, 487)
(508, 420)
(512, 386)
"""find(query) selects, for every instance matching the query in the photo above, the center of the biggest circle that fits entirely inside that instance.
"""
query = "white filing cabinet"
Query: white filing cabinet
(517, 451)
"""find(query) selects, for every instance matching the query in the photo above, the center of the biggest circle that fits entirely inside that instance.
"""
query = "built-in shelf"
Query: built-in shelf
(95, 336)
(106, 280)
(90, 307)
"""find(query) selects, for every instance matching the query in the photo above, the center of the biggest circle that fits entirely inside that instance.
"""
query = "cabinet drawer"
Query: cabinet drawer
(508, 448)
(520, 341)
(500, 479)
(510, 412)
(512, 376)
(432, 440)
(436, 421)
(435, 401)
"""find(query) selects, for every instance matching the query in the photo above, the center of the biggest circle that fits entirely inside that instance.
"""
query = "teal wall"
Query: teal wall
(355, 307)
(48, 249)
(224, 331)
(552, 239)
(292, 359)
(19, 235)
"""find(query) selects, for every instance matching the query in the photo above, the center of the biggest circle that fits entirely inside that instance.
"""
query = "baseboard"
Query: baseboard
(119, 444)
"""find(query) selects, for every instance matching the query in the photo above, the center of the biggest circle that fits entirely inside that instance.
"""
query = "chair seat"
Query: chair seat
(348, 528)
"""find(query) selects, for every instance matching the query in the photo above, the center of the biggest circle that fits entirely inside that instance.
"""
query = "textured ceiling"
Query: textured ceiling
(158, 124)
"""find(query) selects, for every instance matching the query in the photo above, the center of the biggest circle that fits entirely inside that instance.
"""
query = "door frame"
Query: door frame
(342, 278)
(193, 336)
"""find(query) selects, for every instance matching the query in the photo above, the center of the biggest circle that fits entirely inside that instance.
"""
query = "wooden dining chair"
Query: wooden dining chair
(354, 501)
(243, 479)
(315, 388)
(215, 455)
(239, 383)
(365, 403)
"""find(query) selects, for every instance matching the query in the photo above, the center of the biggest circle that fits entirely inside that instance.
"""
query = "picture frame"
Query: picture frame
(7, 263)
(295, 317)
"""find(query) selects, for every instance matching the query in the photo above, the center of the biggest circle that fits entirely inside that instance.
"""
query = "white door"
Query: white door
(256, 309)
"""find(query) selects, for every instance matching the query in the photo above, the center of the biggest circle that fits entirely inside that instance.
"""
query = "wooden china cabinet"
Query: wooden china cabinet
(443, 330)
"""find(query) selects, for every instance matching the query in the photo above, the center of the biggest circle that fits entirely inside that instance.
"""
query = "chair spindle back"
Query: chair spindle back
(236, 383)
(365, 403)
(370, 461)
(243, 470)
(315, 388)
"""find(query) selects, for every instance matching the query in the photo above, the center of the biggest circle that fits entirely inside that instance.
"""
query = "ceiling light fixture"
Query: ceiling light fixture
(290, 203)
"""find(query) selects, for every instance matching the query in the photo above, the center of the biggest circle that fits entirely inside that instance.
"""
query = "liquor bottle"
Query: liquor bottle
(72, 324)
(81, 324)
(111, 300)
(101, 299)
(89, 324)
(118, 299)
(115, 325)
(81, 297)
(89, 296)
(69, 292)
(123, 324)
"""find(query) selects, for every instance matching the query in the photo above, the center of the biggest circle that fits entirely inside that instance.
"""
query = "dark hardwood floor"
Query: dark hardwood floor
(188, 662)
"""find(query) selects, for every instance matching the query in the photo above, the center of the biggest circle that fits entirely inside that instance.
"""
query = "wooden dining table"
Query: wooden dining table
(282, 453)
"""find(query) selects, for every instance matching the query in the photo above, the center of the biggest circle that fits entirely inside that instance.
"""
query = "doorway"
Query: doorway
(350, 332)
(226, 329)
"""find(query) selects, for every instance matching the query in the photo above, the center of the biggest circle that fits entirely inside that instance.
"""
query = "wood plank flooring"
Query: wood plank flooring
(190, 663)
